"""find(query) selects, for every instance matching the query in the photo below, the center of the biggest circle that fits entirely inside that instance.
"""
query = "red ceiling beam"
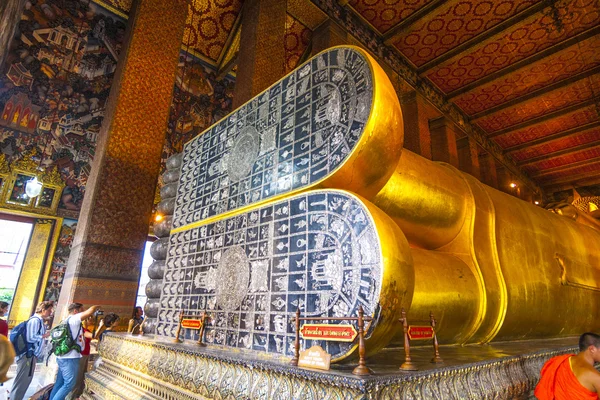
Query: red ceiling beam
(537, 93)
(566, 167)
(525, 62)
(560, 153)
(544, 118)
(587, 179)
(560, 135)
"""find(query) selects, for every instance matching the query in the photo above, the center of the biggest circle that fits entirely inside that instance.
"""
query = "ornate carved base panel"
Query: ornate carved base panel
(140, 369)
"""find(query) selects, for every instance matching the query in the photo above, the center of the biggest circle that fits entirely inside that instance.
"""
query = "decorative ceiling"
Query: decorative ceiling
(521, 74)
(524, 72)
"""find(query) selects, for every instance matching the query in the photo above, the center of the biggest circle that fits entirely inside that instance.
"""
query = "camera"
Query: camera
(98, 313)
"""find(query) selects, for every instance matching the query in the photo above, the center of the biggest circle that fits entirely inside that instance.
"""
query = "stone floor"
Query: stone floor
(43, 376)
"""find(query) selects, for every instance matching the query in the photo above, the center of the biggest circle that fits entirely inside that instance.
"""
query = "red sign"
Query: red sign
(335, 333)
(191, 323)
(420, 332)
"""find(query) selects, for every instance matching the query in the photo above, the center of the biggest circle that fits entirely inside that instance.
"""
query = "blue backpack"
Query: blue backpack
(18, 338)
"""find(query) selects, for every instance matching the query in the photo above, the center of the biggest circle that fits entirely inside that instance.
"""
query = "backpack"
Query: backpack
(18, 338)
(62, 340)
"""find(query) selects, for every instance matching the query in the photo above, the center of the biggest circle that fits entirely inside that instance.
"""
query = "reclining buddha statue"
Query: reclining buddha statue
(304, 198)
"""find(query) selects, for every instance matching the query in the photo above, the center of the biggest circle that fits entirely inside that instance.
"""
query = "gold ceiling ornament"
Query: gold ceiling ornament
(27, 162)
(4, 168)
(53, 177)
(13, 191)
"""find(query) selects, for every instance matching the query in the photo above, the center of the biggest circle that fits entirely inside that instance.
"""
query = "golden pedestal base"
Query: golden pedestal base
(140, 368)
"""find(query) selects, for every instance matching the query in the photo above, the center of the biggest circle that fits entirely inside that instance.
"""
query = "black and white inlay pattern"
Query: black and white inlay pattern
(318, 251)
(293, 135)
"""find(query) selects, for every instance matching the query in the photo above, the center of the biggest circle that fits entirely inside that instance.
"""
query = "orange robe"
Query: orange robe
(558, 382)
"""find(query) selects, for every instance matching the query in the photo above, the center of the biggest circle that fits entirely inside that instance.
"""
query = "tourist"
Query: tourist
(571, 376)
(136, 320)
(3, 325)
(107, 325)
(68, 363)
(83, 361)
(35, 333)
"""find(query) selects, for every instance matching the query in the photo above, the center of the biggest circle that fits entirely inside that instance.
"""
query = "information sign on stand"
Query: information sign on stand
(191, 323)
(335, 333)
(420, 332)
(315, 358)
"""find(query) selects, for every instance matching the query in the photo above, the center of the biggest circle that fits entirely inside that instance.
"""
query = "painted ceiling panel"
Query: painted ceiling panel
(555, 100)
(557, 145)
(562, 65)
(522, 40)
(452, 24)
(384, 14)
(297, 39)
(576, 118)
(208, 25)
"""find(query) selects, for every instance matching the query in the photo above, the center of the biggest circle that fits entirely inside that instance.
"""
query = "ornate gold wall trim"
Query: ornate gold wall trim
(31, 272)
(34, 290)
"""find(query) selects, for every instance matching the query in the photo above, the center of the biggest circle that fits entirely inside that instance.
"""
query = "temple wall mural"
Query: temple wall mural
(199, 100)
(60, 259)
(55, 85)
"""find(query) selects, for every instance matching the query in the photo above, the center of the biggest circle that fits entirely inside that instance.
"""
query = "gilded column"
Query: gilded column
(107, 251)
(261, 61)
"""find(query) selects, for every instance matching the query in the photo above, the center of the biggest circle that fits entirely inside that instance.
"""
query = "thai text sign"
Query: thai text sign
(191, 323)
(315, 357)
(420, 332)
(335, 333)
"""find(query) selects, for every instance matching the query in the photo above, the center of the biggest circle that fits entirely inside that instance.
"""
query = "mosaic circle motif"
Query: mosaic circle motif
(243, 154)
(293, 135)
(317, 251)
(232, 279)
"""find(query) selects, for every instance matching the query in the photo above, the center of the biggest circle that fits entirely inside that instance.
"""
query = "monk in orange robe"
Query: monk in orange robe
(572, 376)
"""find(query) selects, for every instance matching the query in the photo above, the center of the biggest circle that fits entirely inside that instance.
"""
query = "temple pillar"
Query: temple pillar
(468, 156)
(107, 251)
(327, 35)
(443, 141)
(487, 165)
(261, 60)
(417, 112)
(505, 179)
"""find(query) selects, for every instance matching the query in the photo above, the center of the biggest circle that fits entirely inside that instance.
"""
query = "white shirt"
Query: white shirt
(77, 335)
